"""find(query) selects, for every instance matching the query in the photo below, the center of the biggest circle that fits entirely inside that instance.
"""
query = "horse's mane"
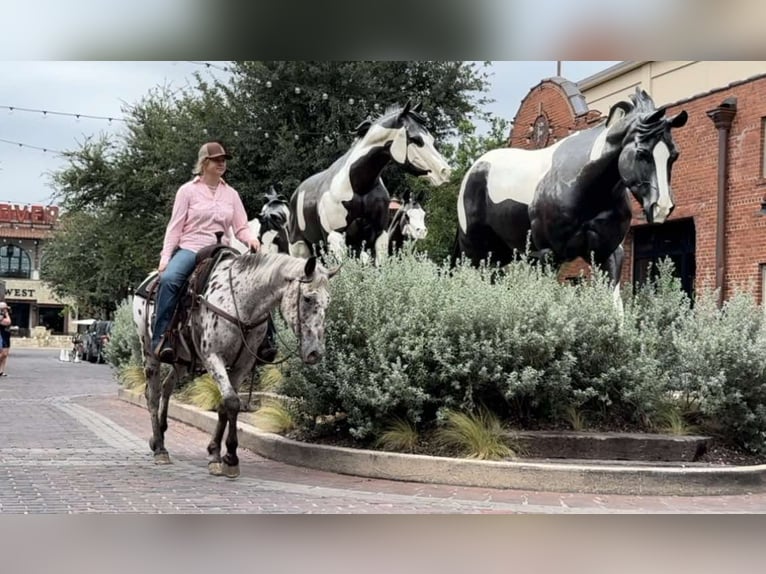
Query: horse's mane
(270, 268)
(396, 110)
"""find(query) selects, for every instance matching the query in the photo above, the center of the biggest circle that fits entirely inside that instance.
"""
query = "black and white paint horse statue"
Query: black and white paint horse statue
(570, 199)
(408, 222)
(225, 326)
(350, 198)
(270, 226)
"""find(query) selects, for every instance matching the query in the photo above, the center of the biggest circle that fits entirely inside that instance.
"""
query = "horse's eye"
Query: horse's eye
(306, 299)
(417, 140)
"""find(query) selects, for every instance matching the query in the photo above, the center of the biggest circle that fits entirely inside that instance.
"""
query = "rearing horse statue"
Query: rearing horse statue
(349, 196)
(570, 198)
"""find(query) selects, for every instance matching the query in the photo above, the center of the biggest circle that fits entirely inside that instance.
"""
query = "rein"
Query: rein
(245, 328)
(395, 219)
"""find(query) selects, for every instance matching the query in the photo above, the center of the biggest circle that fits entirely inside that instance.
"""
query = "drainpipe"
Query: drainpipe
(722, 117)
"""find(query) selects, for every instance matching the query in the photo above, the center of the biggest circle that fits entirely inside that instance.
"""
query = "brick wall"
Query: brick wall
(694, 178)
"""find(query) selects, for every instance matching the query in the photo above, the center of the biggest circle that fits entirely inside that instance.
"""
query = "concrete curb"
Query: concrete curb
(536, 476)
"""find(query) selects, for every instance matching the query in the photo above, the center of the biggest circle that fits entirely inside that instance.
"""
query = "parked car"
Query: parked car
(94, 340)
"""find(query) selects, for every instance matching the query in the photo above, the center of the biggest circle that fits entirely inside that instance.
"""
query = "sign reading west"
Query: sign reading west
(13, 213)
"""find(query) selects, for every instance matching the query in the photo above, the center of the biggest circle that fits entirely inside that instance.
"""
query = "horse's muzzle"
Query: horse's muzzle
(312, 358)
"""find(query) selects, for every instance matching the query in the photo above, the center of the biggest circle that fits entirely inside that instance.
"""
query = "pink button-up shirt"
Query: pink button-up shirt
(198, 213)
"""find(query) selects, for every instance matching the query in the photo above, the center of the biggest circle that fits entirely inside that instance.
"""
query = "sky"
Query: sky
(105, 88)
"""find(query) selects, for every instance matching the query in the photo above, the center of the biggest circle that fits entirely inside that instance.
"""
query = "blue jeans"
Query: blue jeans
(172, 281)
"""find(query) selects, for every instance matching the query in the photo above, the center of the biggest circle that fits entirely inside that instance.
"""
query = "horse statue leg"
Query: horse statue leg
(381, 247)
(228, 410)
(613, 267)
(336, 244)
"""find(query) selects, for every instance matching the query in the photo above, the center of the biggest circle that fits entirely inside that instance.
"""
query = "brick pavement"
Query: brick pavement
(70, 446)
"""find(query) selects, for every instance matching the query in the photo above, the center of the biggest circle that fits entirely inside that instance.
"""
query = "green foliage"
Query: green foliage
(202, 392)
(275, 416)
(132, 377)
(478, 435)
(401, 435)
(411, 340)
(124, 346)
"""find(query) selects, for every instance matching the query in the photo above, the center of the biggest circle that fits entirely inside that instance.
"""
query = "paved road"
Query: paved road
(68, 445)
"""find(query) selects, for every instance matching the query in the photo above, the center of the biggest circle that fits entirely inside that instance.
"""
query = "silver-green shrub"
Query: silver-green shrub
(123, 347)
(412, 340)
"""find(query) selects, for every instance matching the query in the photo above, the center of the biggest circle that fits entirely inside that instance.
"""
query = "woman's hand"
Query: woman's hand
(161, 266)
(255, 245)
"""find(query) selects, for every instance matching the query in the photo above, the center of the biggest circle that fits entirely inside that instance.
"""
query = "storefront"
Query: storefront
(24, 230)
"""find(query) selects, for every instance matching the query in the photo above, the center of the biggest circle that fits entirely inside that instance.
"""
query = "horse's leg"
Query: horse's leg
(168, 384)
(227, 413)
(152, 394)
(336, 244)
(613, 267)
(214, 465)
(381, 247)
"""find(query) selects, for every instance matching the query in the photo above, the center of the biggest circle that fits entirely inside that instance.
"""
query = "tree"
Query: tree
(282, 121)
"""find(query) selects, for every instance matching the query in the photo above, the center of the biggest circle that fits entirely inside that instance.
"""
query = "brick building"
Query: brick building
(715, 235)
(24, 229)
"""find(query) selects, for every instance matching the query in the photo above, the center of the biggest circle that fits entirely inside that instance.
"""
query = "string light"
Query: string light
(209, 65)
(23, 145)
(69, 114)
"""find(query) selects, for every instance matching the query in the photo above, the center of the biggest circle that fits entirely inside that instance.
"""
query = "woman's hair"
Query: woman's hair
(200, 166)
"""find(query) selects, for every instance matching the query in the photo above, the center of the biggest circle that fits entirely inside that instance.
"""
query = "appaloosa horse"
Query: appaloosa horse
(225, 326)
(349, 197)
(408, 222)
(570, 199)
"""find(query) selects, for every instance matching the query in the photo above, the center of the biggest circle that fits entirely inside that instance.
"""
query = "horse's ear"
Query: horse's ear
(416, 107)
(311, 265)
(363, 128)
(334, 271)
(406, 196)
(678, 120)
(617, 112)
(654, 117)
(406, 109)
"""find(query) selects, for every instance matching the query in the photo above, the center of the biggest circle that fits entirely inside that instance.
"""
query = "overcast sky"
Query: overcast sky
(103, 88)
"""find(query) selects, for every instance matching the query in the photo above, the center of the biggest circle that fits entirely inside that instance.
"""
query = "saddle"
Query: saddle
(179, 335)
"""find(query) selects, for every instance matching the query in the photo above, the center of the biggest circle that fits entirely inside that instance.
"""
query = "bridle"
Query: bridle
(245, 328)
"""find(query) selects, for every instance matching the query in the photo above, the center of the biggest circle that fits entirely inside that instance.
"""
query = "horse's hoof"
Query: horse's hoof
(215, 468)
(230, 471)
(151, 444)
(162, 458)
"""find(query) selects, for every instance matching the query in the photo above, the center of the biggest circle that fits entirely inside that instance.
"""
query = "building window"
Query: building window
(14, 262)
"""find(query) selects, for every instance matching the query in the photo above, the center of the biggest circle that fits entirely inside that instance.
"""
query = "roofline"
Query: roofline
(612, 72)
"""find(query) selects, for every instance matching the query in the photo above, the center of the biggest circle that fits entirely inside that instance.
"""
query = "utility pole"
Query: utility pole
(558, 67)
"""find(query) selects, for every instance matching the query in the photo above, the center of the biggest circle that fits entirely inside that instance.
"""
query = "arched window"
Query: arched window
(14, 262)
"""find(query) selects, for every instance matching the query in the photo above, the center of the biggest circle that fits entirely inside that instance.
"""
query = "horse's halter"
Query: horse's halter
(243, 327)
(396, 219)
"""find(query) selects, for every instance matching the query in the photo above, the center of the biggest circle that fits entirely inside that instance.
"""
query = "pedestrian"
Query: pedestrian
(5, 336)
(203, 206)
